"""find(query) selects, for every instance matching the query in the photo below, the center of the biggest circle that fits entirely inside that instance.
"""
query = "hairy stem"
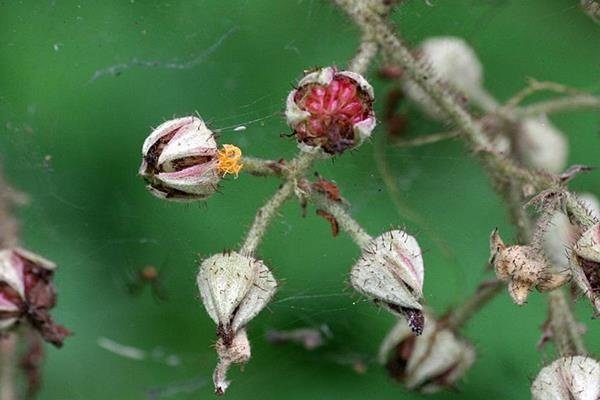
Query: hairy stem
(485, 292)
(344, 219)
(265, 214)
(260, 167)
(565, 334)
(8, 354)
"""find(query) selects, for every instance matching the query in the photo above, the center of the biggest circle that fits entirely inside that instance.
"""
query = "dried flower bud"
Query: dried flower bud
(434, 361)
(455, 63)
(568, 378)
(588, 245)
(523, 267)
(234, 289)
(542, 145)
(331, 110)
(181, 161)
(390, 270)
(27, 293)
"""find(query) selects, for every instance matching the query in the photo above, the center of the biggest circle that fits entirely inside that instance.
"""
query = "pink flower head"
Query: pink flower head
(331, 110)
(180, 160)
(27, 293)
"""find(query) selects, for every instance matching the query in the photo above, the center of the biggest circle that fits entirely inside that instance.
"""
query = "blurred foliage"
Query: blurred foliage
(71, 131)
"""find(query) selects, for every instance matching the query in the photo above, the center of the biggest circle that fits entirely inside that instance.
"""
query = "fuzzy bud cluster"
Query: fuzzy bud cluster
(27, 293)
(331, 110)
(181, 161)
(234, 289)
(568, 378)
(524, 267)
(390, 271)
(434, 361)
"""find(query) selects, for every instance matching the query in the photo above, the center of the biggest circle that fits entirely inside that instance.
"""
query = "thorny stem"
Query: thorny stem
(265, 214)
(565, 335)
(8, 353)
(485, 292)
(344, 219)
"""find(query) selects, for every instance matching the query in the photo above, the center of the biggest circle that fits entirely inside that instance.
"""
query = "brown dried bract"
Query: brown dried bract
(335, 228)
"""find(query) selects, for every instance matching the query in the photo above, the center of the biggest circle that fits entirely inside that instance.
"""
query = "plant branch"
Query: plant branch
(260, 167)
(427, 139)
(568, 103)
(265, 214)
(344, 219)
(483, 294)
(565, 334)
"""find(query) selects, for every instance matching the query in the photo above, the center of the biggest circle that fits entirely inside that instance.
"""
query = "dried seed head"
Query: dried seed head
(524, 267)
(541, 145)
(568, 378)
(27, 293)
(434, 361)
(390, 271)
(234, 289)
(181, 161)
(331, 110)
(452, 61)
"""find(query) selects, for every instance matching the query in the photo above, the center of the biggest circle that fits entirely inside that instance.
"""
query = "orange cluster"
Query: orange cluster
(229, 159)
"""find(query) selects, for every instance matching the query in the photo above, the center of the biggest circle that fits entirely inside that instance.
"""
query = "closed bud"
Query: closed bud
(542, 145)
(523, 267)
(568, 378)
(562, 235)
(331, 110)
(390, 271)
(234, 289)
(181, 161)
(453, 61)
(434, 361)
(585, 264)
(27, 293)
(592, 9)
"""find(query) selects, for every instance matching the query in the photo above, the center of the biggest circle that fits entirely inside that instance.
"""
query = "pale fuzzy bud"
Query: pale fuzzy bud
(27, 293)
(568, 378)
(588, 245)
(434, 361)
(236, 352)
(390, 271)
(180, 160)
(331, 110)
(454, 62)
(523, 267)
(592, 9)
(561, 234)
(542, 145)
(234, 289)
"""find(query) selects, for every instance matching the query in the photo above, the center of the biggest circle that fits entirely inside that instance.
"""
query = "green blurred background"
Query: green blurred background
(70, 136)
